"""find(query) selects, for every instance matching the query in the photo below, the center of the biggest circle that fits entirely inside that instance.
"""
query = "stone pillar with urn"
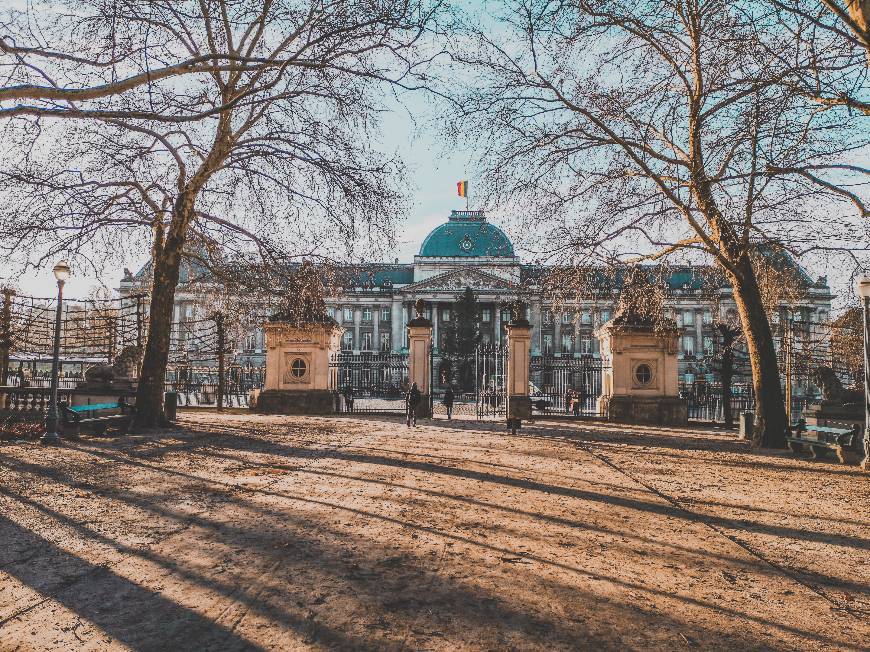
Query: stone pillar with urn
(519, 344)
(640, 385)
(298, 378)
(419, 357)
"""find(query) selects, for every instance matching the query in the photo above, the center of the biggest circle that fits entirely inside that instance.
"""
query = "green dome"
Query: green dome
(467, 234)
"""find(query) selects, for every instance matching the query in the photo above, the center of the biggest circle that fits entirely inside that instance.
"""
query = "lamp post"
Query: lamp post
(862, 287)
(61, 273)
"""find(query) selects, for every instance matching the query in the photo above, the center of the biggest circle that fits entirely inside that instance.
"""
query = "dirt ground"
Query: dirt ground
(246, 532)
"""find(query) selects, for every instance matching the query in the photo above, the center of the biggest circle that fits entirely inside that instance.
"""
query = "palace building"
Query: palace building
(468, 251)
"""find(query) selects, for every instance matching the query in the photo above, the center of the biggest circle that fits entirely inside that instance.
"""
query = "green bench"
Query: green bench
(98, 416)
(824, 439)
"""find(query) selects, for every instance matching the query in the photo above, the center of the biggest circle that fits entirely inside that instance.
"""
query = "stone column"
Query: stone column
(434, 320)
(578, 317)
(496, 338)
(419, 342)
(557, 331)
(519, 341)
(397, 311)
(537, 337)
(376, 327)
(357, 320)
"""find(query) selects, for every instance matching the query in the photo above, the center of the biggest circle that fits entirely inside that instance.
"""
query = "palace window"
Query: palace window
(567, 343)
(348, 315)
(251, 341)
(585, 345)
(445, 314)
(485, 315)
(385, 341)
(547, 317)
(708, 345)
(605, 316)
(707, 317)
(505, 317)
(347, 340)
(548, 344)
(688, 318)
(385, 314)
(688, 346)
(366, 341)
(367, 314)
(567, 317)
(486, 339)
(586, 317)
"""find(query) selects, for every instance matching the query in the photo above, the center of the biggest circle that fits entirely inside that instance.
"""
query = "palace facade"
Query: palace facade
(467, 251)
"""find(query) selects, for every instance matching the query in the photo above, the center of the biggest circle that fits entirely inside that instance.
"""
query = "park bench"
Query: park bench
(98, 416)
(824, 439)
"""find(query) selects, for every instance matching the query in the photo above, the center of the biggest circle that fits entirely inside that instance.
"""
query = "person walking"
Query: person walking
(411, 402)
(448, 401)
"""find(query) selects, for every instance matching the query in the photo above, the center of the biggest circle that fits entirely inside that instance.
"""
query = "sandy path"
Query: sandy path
(245, 532)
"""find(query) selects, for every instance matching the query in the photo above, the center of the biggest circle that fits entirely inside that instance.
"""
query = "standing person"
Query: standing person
(411, 403)
(568, 395)
(448, 401)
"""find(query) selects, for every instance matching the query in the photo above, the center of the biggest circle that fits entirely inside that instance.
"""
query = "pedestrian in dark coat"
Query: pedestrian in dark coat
(411, 402)
(448, 402)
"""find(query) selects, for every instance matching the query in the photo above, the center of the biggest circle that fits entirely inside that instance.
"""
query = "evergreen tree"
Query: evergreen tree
(461, 339)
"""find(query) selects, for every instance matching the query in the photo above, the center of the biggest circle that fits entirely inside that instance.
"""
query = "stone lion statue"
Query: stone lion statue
(127, 363)
(125, 367)
(100, 374)
(833, 390)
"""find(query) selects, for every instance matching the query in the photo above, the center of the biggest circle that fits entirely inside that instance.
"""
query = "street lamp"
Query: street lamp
(862, 287)
(61, 273)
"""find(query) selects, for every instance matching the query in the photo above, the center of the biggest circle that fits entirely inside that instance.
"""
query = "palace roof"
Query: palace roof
(467, 234)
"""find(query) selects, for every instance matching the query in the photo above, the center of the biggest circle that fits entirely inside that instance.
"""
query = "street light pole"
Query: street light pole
(862, 285)
(61, 273)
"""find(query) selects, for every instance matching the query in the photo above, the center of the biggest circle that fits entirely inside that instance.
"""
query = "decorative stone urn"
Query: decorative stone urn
(419, 361)
(641, 383)
(297, 368)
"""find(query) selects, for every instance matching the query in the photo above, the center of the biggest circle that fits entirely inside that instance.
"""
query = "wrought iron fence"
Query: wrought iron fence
(563, 385)
(369, 382)
(201, 386)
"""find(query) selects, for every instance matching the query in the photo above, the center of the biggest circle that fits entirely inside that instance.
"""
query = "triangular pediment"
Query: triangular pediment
(459, 279)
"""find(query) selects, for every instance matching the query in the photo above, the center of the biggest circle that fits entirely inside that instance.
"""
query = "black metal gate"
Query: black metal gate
(490, 364)
(369, 382)
(566, 385)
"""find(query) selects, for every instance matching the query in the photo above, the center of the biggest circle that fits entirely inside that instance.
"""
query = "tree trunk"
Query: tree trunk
(166, 261)
(770, 419)
(727, 374)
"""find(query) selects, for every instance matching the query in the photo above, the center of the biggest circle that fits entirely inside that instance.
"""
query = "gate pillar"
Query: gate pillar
(519, 342)
(419, 360)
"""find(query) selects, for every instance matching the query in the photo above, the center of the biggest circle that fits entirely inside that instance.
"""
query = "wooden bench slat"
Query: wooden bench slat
(839, 431)
(95, 407)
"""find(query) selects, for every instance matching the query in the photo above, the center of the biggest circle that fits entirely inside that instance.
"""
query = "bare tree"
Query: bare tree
(647, 131)
(282, 166)
(61, 59)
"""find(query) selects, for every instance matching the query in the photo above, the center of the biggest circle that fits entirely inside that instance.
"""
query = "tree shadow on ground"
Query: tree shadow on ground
(106, 601)
(436, 601)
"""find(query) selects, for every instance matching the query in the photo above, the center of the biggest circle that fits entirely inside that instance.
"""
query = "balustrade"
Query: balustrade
(33, 400)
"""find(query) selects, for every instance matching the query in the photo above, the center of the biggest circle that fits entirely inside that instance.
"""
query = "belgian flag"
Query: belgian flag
(462, 188)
